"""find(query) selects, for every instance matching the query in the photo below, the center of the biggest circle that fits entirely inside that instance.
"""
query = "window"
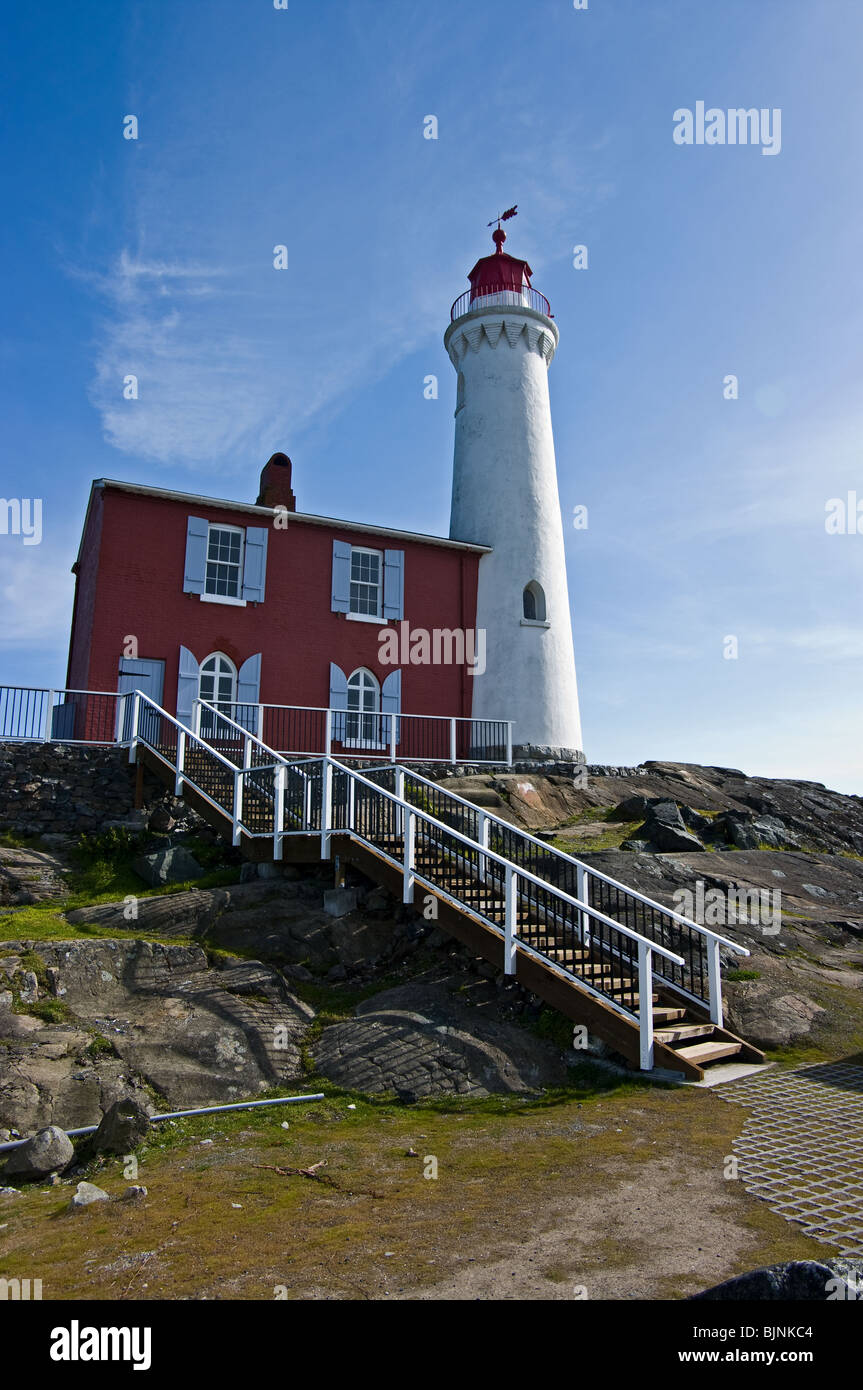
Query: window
(366, 585)
(533, 603)
(224, 576)
(363, 721)
(217, 684)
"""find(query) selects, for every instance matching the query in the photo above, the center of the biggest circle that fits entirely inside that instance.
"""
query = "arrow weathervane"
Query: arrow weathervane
(504, 216)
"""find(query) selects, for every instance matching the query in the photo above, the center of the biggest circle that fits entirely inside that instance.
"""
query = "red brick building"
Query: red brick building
(258, 604)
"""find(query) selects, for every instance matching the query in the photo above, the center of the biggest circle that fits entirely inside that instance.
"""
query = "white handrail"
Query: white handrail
(579, 863)
(501, 859)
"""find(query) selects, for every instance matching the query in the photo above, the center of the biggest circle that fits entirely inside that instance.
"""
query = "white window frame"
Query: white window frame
(205, 715)
(236, 600)
(360, 741)
(354, 615)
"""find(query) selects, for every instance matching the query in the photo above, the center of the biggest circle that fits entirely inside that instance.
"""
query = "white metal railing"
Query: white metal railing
(42, 714)
(483, 820)
(320, 731)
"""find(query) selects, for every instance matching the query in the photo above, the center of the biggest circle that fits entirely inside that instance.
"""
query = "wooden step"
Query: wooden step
(668, 1015)
(702, 1053)
(683, 1030)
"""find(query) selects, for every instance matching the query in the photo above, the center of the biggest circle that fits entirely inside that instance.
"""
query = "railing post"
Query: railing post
(482, 827)
(510, 900)
(352, 802)
(392, 738)
(279, 786)
(196, 717)
(509, 743)
(133, 732)
(49, 717)
(399, 790)
(307, 801)
(247, 752)
(181, 760)
(238, 804)
(328, 734)
(326, 803)
(119, 711)
(582, 889)
(645, 1005)
(409, 859)
(714, 981)
(452, 740)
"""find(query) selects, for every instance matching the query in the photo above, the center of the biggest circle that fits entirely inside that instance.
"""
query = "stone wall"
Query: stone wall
(68, 789)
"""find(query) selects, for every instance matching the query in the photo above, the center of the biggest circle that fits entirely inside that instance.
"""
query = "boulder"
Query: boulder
(121, 1130)
(338, 902)
(172, 865)
(633, 808)
(795, 1280)
(86, 1195)
(48, 1151)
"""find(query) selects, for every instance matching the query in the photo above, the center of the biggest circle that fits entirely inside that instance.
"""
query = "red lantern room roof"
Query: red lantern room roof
(500, 271)
(500, 280)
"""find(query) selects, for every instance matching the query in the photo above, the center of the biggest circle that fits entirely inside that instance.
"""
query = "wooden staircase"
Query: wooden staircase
(582, 959)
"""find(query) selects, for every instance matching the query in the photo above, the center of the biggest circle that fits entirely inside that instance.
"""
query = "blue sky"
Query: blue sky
(304, 127)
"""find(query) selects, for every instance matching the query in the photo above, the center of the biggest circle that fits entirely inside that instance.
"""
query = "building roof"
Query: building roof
(303, 518)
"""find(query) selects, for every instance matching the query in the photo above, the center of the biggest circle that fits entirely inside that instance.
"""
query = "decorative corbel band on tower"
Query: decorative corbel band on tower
(469, 338)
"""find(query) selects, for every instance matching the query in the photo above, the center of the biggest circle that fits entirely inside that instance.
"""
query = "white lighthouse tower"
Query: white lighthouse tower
(501, 341)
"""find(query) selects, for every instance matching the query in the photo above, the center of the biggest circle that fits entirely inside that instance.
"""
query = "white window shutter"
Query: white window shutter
(338, 699)
(249, 693)
(195, 571)
(255, 564)
(394, 584)
(341, 598)
(391, 701)
(187, 687)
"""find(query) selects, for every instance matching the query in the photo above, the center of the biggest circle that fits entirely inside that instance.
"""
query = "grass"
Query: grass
(562, 1168)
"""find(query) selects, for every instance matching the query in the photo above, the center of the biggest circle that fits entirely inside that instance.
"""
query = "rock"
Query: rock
(758, 1012)
(121, 1130)
(135, 1193)
(338, 902)
(739, 833)
(172, 865)
(29, 991)
(794, 1281)
(633, 808)
(422, 1039)
(11, 1192)
(86, 1195)
(161, 821)
(48, 1151)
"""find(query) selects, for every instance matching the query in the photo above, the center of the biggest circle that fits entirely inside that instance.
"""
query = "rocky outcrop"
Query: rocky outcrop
(149, 1022)
(422, 1039)
(797, 1280)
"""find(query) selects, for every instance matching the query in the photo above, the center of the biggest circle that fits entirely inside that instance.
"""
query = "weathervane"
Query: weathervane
(504, 216)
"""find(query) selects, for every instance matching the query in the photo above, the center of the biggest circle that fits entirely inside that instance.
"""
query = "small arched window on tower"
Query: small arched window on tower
(533, 603)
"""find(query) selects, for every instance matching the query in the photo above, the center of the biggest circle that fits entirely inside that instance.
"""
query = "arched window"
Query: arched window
(533, 602)
(217, 681)
(364, 703)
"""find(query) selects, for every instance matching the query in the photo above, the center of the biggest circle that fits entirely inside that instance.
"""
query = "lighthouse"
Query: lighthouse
(501, 341)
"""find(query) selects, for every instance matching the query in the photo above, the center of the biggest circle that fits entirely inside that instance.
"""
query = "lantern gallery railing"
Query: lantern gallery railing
(504, 296)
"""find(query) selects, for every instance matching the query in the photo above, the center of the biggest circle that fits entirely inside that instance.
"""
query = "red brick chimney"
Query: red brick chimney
(275, 486)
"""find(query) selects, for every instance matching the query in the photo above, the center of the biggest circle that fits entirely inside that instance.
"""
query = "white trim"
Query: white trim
(368, 618)
(535, 622)
(223, 598)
